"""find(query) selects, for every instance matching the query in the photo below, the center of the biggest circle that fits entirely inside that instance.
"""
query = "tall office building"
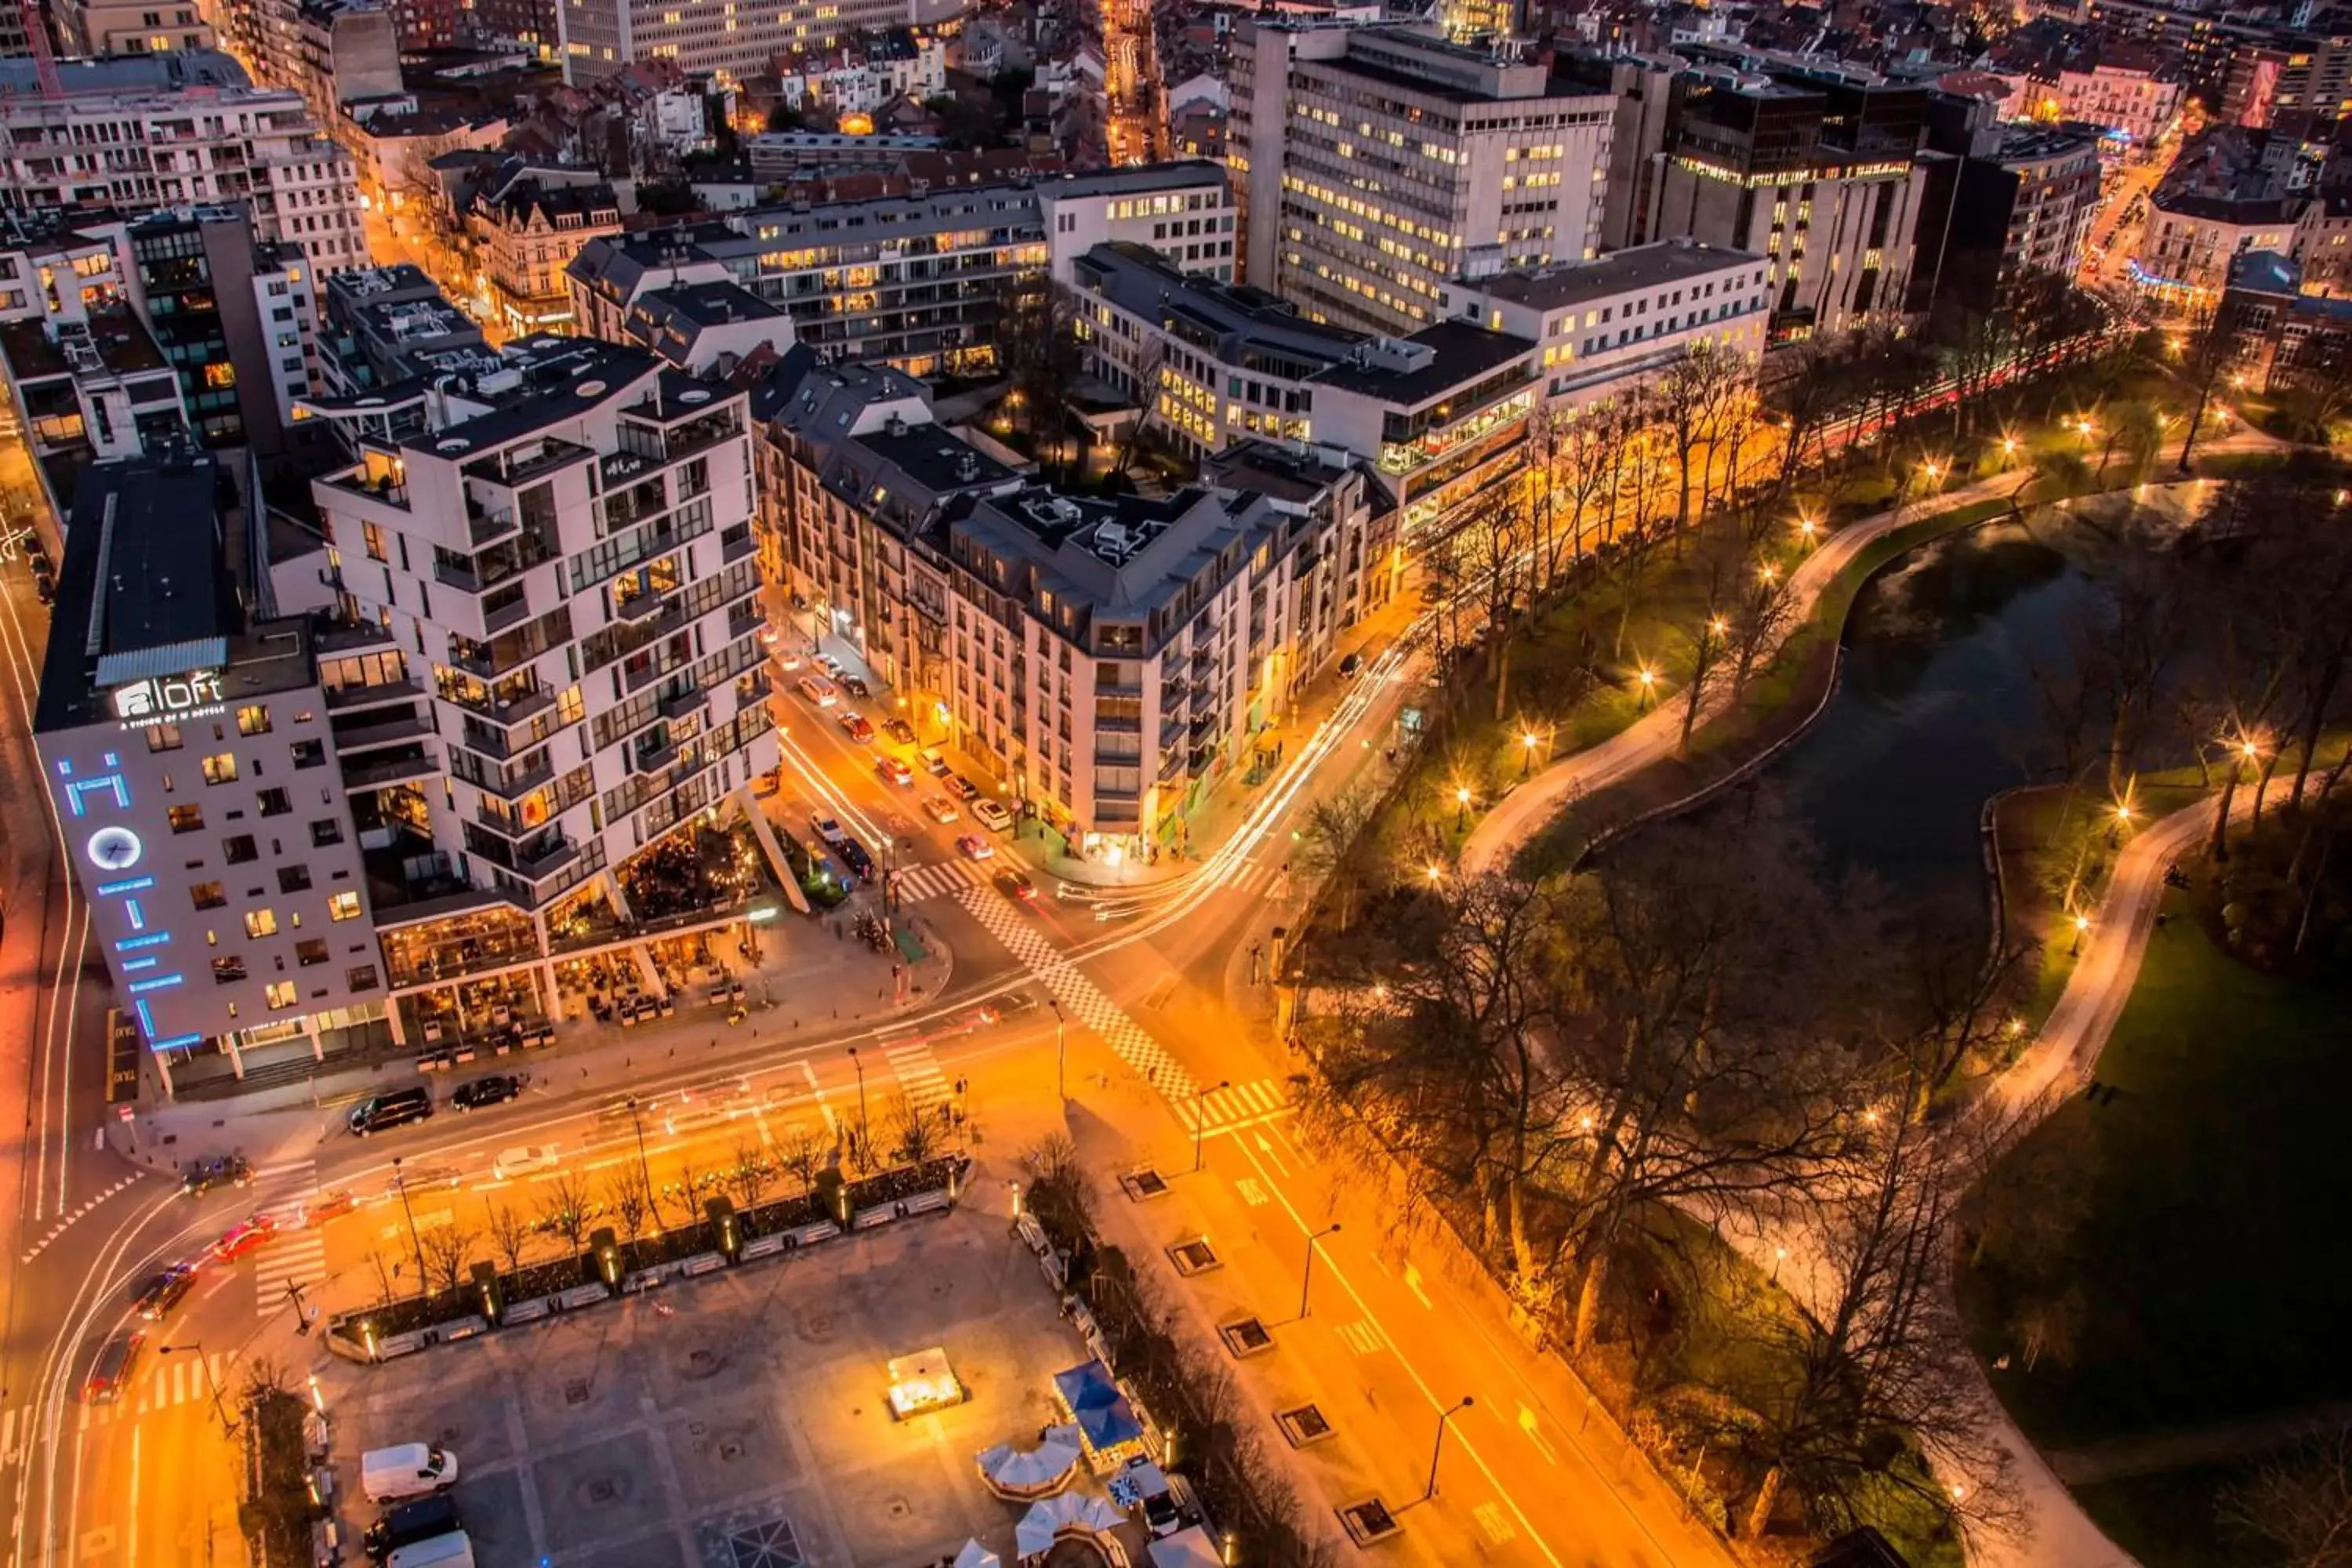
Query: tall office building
(1376, 164)
(733, 42)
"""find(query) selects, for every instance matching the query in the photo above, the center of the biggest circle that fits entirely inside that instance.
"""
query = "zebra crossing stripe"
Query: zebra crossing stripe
(918, 1072)
(918, 883)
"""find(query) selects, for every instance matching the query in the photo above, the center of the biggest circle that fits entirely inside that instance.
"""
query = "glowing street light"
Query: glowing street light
(1935, 471)
(1526, 752)
(1461, 808)
(1436, 873)
(2082, 930)
(1807, 527)
(2009, 445)
(1768, 572)
(2082, 427)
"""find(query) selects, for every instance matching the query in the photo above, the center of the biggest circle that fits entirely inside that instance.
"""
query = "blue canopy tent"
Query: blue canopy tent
(1108, 1426)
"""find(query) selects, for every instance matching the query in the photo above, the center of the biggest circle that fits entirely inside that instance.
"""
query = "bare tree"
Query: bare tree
(1332, 849)
(563, 1209)
(916, 1129)
(750, 1174)
(2299, 1506)
(801, 1152)
(447, 1249)
(684, 1192)
(2211, 352)
(510, 1233)
(1707, 652)
(626, 1195)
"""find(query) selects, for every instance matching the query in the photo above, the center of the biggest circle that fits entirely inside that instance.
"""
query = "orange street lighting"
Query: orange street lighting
(2009, 445)
(1461, 808)
(1649, 676)
(1718, 627)
(1527, 752)
(1436, 873)
(1935, 471)
(1770, 572)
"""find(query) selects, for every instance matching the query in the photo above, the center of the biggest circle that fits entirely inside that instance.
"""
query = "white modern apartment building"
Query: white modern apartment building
(1376, 164)
(195, 146)
(549, 587)
(1603, 323)
(912, 280)
(1105, 661)
(186, 742)
(734, 40)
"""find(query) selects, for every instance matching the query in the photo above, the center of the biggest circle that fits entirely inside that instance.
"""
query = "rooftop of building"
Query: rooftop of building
(1427, 366)
(1281, 470)
(2039, 143)
(556, 380)
(934, 458)
(1620, 272)
(169, 71)
(116, 340)
(1143, 177)
(1139, 281)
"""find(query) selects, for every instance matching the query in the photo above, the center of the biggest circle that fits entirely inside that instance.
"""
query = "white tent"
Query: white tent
(1048, 1521)
(1188, 1547)
(975, 1555)
(1018, 1475)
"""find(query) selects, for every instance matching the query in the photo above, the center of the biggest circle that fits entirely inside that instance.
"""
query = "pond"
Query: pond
(1939, 702)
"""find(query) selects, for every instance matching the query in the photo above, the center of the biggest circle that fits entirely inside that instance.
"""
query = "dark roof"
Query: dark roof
(145, 572)
(1460, 352)
(1638, 266)
(934, 459)
(2227, 209)
(563, 385)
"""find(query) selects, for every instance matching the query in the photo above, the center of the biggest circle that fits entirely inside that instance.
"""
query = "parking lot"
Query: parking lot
(679, 1429)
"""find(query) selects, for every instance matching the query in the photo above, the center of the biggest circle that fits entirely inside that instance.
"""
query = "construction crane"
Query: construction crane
(36, 38)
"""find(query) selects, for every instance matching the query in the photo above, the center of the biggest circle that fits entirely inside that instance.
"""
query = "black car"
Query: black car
(403, 1524)
(228, 1171)
(495, 1090)
(853, 855)
(856, 687)
(156, 1299)
(382, 1112)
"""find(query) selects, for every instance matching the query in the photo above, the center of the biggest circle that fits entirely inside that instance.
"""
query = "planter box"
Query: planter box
(764, 1247)
(530, 1312)
(398, 1345)
(936, 1201)
(879, 1214)
(462, 1329)
(810, 1235)
(582, 1296)
(703, 1263)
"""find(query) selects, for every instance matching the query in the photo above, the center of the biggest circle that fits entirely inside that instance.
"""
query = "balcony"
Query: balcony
(513, 709)
(487, 525)
(639, 609)
(376, 772)
(381, 487)
(678, 704)
(514, 612)
(507, 783)
(352, 698)
(362, 738)
(656, 758)
(735, 544)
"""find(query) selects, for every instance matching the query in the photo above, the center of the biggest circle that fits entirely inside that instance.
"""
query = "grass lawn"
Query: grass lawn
(2167, 1521)
(2195, 1213)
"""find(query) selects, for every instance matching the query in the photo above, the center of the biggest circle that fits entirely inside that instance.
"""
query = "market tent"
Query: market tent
(975, 1555)
(1105, 1419)
(1019, 1474)
(1188, 1547)
(1057, 1516)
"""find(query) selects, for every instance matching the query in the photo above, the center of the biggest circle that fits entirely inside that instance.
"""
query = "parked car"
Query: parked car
(830, 665)
(523, 1160)
(854, 725)
(855, 686)
(495, 1090)
(940, 808)
(988, 813)
(1351, 666)
(893, 771)
(380, 1112)
(244, 1235)
(1016, 887)
(407, 1470)
(974, 846)
(826, 828)
(853, 855)
(421, 1519)
(455, 1550)
(899, 730)
(111, 1369)
(817, 691)
(162, 1292)
(934, 763)
(958, 785)
(228, 1171)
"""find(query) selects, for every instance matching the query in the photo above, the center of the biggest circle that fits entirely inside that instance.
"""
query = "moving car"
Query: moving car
(854, 725)
(229, 1170)
(1016, 887)
(893, 771)
(419, 1519)
(899, 730)
(940, 808)
(407, 1470)
(495, 1090)
(244, 1235)
(330, 1204)
(853, 855)
(162, 1292)
(817, 691)
(379, 1112)
(523, 1158)
(988, 813)
(111, 1370)
(973, 847)
(826, 828)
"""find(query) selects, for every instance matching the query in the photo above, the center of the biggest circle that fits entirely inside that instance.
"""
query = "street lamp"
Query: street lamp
(2009, 445)
(212, 1386)
(400, 1182)
(1461, 808)
(645, 1169)
(1061, 1056)
(1649, 685)
(2082, 928)
(1308, 1274)
(1527, 752)
(1434, 872)
(860, 1067)
(1439, 1446)
(1808, 527)
(1200, 1115)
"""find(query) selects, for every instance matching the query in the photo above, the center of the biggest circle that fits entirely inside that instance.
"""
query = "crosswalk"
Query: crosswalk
(295, 1257)
(917, 883)
(1250, 875)
(1240, 1105)
(918, 1072)
(162, 1383)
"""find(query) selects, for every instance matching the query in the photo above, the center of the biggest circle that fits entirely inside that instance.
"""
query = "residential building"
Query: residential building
(351, 54)
(2316, 78)
(2289, 337)
(549, 600)
(1107, 660)
(709, 329)
(87, 390)
(527, 227)
(598, 37)
(2323, 243)
(186, 739)
(2058, 75)
(134, 151)
(1629, 314)
(911, 280)
(1375, 163)
(381, 327)
(778, 157)
(1818, 174)
(234, 316)
(129, 27)
(2224, 196)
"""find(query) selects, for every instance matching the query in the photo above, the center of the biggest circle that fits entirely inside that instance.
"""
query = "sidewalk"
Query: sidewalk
(810, 979)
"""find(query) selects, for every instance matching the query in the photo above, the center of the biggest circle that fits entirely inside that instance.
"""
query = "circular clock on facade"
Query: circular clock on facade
(114, 849)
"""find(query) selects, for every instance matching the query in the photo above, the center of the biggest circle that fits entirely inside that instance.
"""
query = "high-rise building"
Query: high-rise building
(597, 37)
(1377, 163)
(131, 26)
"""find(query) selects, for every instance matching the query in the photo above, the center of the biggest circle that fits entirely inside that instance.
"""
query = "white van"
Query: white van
(455, 1550)
(411, 1469)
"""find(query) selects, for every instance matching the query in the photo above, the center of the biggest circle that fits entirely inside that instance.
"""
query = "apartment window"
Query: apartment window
(372, 537)
(220, 768)
(282, 994)
(360, 977)
(253, 720)
(293, 879)
(309, 753)
(343, 907)
(186, 818)
(326, 831)
(163, 738)
(228, 970)
(240, 850)
(274, 803)
(260, 923)
(207, 894)
(310, 951)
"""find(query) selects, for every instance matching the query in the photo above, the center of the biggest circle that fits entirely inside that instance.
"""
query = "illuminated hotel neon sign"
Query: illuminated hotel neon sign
(169, 699)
